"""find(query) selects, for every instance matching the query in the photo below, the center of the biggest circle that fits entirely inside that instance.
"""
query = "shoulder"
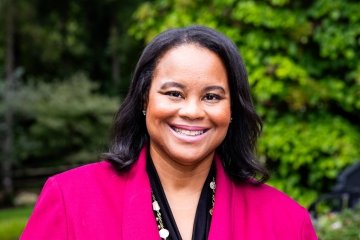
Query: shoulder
(80, 187)
(92, 175)
(264, 190)
(77, 200)
(268, 197)
(271, 203)
(101, 167)
(275, 209)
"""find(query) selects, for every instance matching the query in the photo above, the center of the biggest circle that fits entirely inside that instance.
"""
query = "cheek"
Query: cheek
(221, 116)
(158, 108)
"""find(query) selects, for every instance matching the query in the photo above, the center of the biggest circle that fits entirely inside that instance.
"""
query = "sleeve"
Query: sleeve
(48, 220)
(308, 231)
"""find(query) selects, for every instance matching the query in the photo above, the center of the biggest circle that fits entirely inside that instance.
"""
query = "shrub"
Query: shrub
(344, 225)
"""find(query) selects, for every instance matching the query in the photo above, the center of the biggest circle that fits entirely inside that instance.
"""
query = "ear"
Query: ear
(145, 101)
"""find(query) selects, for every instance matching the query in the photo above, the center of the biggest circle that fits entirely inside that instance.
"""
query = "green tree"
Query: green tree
(55, 39)
(303, 63)
(7, 158)
(62, 123)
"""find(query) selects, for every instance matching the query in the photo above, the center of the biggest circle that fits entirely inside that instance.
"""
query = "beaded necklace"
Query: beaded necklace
(163, 232)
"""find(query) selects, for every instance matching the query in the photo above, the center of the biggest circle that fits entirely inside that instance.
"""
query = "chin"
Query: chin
(190, 158)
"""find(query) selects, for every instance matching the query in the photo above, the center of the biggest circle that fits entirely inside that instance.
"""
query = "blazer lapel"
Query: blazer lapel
(221, 220)
(138, 220)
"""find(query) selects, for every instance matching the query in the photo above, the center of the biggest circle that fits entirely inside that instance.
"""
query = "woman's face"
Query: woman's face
(188, 106)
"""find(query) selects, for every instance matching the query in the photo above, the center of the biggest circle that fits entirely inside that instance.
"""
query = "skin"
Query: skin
(187, 116)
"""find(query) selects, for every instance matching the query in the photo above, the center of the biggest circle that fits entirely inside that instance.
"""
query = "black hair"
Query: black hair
(236, 151)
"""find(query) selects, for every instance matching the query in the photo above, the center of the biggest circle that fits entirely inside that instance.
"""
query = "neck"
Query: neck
(180, 178)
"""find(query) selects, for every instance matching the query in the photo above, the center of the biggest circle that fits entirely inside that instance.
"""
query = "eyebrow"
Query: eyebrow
(172, 84)
(179, 85)
(213, 88)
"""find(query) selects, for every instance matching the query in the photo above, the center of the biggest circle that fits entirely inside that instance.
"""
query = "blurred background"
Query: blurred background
(66, 65)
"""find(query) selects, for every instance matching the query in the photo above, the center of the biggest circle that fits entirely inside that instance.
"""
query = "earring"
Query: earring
(144, 112)
(230, 119)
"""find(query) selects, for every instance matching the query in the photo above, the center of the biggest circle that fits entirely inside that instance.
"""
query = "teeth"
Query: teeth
(188, 132)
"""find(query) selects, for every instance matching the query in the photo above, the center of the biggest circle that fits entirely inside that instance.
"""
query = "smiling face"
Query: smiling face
(188, 106)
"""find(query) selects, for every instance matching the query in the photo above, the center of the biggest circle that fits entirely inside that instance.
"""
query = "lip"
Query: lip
(188, 138)
(189, 128)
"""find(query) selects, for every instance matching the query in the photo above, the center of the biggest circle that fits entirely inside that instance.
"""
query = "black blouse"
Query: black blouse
(202, 217)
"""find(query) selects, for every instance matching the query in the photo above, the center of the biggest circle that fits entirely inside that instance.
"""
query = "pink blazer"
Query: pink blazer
(95, 202)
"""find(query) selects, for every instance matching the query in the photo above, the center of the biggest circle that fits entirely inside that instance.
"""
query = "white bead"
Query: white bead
(212, 185)
(156, 206)
(164, 233)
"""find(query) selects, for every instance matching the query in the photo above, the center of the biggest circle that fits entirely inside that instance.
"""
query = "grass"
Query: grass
(12, 222)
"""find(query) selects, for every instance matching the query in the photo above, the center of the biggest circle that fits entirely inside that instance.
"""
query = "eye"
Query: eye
(174, 94)
(212, 97)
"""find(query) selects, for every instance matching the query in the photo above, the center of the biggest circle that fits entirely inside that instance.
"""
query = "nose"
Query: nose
(192, 109)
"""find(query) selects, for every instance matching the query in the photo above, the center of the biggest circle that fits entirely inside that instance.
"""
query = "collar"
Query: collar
(138, 218)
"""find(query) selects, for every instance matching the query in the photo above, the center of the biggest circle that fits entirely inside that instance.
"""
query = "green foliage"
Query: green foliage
(64, 121)
(304, 69)
(12, 222)
(305, 153)
(344, 225)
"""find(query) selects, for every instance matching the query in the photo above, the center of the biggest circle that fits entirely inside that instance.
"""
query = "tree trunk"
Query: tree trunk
(115, 69)
(8, 150)
(115, 58)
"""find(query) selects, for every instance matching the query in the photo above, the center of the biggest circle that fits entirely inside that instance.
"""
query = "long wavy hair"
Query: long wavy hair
(129, 132)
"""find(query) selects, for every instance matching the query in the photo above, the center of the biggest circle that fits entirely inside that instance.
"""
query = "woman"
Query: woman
(181, 165)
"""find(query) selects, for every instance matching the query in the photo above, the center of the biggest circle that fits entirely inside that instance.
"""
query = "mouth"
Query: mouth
(189, 131)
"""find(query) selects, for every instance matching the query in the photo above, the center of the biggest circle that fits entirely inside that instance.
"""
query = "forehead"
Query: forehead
(186, 52)
(191, 62)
